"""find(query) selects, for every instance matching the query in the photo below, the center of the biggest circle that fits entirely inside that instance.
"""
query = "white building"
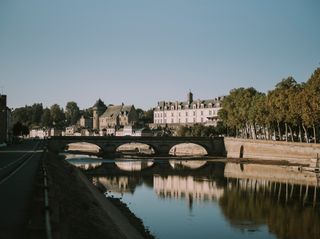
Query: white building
(40, 133)
(71, 130)
(187, 112)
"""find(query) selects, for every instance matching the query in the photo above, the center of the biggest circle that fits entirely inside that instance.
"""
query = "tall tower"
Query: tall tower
(190, 97)
(98, 109)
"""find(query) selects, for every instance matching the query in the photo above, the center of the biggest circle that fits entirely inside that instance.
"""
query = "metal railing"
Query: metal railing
(46, 203)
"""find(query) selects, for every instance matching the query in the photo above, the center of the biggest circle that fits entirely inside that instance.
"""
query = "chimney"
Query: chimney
(190, 97)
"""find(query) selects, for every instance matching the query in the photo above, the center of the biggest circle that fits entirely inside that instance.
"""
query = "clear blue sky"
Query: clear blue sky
(143, 51)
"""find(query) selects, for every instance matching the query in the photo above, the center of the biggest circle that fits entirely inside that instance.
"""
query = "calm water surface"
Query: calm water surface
(206, 199)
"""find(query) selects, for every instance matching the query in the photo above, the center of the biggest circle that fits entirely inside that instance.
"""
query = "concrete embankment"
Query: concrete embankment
(79, 210)
(300, 153)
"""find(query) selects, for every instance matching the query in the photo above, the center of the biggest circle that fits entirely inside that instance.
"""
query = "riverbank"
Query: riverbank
(79, 210)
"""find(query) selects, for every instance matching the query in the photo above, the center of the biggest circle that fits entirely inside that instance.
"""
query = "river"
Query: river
(212, 198)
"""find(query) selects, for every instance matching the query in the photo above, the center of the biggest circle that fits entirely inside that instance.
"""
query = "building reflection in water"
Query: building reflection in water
(187, 164)
(189, 188)
(119, 184)
(85, 162)
(133, 165)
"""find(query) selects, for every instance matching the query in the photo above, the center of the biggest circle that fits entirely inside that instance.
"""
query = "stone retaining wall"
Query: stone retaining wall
(272, 150)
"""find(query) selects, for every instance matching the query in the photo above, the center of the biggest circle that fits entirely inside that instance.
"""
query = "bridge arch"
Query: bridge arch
(185, 149)
(83, 146)
(136, 147)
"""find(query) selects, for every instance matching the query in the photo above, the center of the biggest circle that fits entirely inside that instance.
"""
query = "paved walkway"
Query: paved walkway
(18, 167)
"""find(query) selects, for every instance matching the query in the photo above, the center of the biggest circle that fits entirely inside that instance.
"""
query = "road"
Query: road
(18, 168)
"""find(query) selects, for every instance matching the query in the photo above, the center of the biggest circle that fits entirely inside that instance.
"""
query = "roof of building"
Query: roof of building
(115, 110)
(168, 105)
(99, 104)
(186, 105)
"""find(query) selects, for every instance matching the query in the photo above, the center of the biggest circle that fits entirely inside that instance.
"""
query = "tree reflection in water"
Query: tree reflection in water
(289, 211)
(250, 197)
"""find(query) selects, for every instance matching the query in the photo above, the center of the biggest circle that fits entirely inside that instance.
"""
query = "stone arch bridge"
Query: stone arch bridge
(160, 145)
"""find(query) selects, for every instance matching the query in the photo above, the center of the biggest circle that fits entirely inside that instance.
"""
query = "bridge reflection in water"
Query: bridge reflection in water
(250, 196)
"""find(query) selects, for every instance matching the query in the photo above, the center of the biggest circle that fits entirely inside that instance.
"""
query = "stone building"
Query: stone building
(187, 112)
(118, 116)
(98, 109)
(5, 121)
(86, 122)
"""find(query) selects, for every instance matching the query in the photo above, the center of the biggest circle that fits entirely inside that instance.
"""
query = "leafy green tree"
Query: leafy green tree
(22, 115)
(46, 119)
(236, 110)
(37, 111)
(183, 131)
(310, 98)
(28, 115)
(19, 129)
(294, 116)
(148, 116)
(72, 113)
(261, 114)
(145, 117)
(278, 102)
(57, 115)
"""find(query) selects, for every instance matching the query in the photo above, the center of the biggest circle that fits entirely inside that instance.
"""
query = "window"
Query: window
(194, 106)
(171, 114)
(164, 115)
(186, 113)
(194, 113)
(210, 112)
(179, 114)
(171, 120)
(201, 112)
(186, 120)
(179, 120)
(201, 120)
(194, 120)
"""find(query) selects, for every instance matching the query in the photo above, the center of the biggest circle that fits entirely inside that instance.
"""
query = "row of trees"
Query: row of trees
(36, 115)
(199, 130)
(291, 111)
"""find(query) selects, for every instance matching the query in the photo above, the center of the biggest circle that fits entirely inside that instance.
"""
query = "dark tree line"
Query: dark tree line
(291, 111)
(37, 116)
(199, 130)
(145, 117)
